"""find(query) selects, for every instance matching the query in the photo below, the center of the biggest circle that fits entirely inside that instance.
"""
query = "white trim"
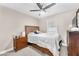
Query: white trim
(5, 51)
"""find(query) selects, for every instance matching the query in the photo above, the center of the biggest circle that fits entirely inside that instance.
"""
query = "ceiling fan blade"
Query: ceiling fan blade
(49, 6)
(39, 5)
(34, 10)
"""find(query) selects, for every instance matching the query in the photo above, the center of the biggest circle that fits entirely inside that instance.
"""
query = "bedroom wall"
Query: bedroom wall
(61, 20)
(27, 20)
(12, 23)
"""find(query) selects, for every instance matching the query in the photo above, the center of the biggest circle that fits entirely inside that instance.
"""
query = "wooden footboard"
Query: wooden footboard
(42, 49)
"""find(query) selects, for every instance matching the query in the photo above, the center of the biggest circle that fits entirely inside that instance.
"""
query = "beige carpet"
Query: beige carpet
(29, 51)
(63, 51)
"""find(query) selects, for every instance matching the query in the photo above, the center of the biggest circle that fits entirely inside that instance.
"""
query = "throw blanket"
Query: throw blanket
(50, 41)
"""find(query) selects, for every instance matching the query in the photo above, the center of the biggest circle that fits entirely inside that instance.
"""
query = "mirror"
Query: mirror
(78, 19)
(75, 21)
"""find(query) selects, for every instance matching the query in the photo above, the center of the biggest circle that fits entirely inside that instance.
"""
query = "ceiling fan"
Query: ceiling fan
(41, 7)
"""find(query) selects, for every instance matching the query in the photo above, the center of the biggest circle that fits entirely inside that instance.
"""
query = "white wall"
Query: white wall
(26, 20)
(62, 21)
(12, 23)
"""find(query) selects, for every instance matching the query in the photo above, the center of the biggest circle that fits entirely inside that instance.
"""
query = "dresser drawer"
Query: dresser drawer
(73, 43)
(72, 51)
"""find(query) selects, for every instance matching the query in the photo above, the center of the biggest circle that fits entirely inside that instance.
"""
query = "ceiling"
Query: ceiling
(25, 7)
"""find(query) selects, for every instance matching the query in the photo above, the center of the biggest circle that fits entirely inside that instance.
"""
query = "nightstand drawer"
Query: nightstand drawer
(20, 43)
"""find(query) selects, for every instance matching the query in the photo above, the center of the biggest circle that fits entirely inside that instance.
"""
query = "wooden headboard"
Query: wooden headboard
(29, 29)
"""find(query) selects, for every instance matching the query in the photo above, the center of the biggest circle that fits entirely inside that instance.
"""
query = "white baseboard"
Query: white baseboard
(5, 51)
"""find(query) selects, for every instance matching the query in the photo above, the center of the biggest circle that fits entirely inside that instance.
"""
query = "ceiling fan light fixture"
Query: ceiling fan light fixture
(42, 9)
(42, 12)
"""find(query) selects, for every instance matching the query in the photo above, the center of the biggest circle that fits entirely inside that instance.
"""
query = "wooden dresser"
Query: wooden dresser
(73, 43)
(19, 43)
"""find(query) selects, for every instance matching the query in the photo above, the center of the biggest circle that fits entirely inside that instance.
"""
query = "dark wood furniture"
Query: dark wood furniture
(22, 42)
(19, 43)
(73, 43)
(41, 49)
(29, 29)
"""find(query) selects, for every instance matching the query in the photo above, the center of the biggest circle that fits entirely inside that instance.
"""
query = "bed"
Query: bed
(46, 42)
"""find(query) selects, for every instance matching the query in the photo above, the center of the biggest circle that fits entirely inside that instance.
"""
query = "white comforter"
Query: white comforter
(47, 40)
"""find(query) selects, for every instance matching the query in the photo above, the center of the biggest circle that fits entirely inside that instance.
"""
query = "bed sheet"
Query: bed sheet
(47, 40)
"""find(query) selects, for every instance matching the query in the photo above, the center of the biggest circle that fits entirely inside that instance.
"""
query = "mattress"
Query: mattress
(47, 40)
